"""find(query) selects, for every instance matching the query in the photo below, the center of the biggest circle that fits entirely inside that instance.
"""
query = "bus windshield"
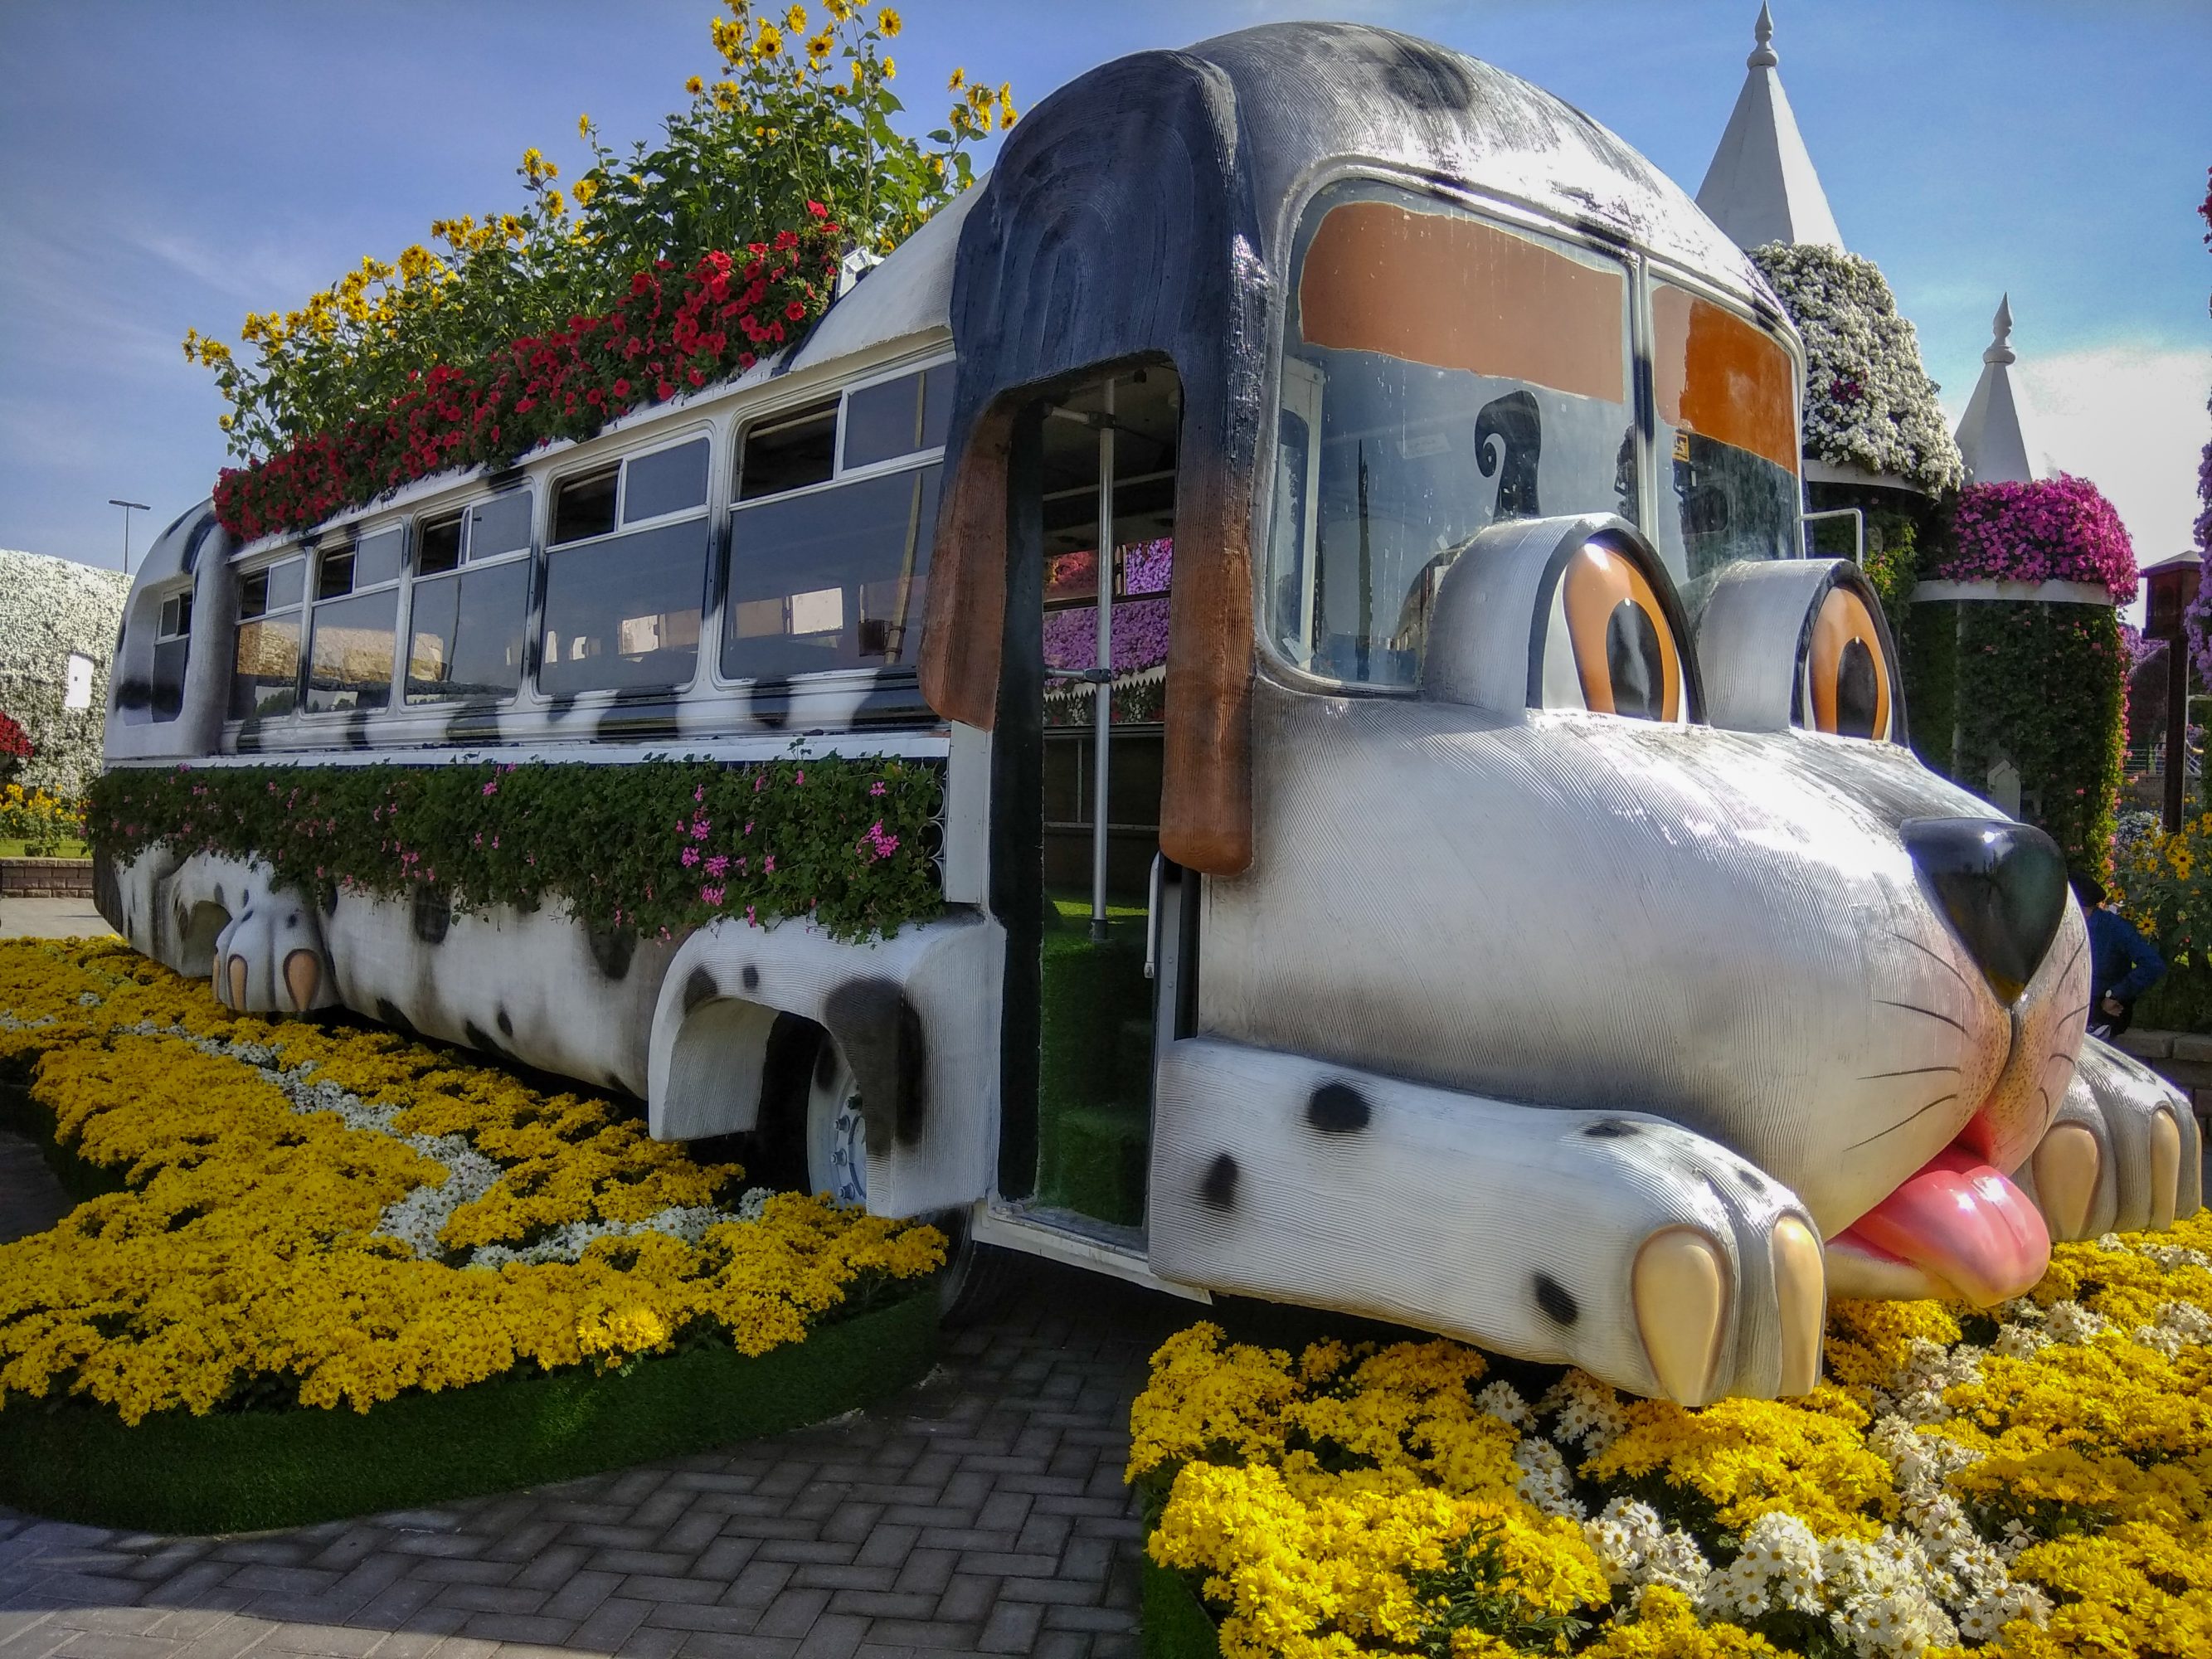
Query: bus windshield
(1440, 373)
(1726, 403)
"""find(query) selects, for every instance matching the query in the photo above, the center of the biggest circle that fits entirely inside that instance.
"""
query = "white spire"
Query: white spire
(1992, 438)
(1761, 186)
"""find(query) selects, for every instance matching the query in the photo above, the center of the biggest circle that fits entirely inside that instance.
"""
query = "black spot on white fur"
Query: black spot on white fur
(880, 1032)
(699, 986)
(1218, 1189)
(506, 1025)
(388, 1013)
(1557, 1300)
(1610, 1130)
(611, 949)
(1338, 1109)
(431, 914)
(751, 977)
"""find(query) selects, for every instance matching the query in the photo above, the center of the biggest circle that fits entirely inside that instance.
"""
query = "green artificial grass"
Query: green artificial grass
(249, 1471)
(1094, 1074)
(65, 849)
(1175, 1623)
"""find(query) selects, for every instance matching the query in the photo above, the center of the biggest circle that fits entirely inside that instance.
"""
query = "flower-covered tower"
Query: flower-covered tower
(1875, 440)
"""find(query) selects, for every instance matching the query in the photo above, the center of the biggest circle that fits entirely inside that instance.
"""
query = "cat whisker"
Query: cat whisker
(1901, 1123)
(1911, 1071)
(1933, 956)
(1914, 1007)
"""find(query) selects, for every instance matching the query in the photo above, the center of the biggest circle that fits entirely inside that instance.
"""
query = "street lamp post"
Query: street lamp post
(129, 507)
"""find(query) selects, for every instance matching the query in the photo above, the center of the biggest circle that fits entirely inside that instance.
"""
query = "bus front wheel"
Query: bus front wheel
(837, 1132)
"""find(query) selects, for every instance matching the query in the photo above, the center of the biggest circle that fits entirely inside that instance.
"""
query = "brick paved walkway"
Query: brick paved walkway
(982, 1511)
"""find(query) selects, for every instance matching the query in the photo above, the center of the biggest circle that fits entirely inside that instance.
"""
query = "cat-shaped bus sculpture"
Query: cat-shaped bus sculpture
(1558, 946)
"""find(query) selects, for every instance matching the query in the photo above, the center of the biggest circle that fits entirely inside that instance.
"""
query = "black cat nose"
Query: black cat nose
(2001, 885)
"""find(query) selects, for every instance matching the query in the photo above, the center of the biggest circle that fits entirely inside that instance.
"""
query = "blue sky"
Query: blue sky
(170, 167)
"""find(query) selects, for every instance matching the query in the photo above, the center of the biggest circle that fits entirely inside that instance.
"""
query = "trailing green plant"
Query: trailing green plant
(659, 846)
(2043, 686)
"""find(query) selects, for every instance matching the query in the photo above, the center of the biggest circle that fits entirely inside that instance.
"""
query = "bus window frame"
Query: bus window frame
(313, 601)
(403, 705)
(1642, 269)
(545, 547)
(838, 476)
(1656, 269)
(242, 571)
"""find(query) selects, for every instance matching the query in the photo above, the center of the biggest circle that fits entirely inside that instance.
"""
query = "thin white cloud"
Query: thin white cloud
(2131, 419)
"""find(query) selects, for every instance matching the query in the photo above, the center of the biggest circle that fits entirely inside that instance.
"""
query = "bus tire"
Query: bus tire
(818, 1128)
(977, 1277)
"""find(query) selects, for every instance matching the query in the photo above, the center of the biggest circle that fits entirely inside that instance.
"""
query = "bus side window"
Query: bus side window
(466, 626)
(266, 673)
(623, 609)
(789, 452)
(355, 618)
(830, 578)
(172, 645)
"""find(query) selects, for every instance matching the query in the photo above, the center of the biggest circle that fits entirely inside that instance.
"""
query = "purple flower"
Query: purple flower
(2059, 529)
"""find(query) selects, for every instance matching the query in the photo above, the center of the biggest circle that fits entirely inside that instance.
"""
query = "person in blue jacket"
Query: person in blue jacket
(2123, 964)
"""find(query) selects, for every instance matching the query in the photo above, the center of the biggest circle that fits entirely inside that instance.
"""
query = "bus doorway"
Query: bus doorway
(1090, 623)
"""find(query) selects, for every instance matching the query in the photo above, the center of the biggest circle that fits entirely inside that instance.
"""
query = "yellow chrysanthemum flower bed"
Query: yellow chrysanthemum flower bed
(2032, 1483)
(316, 1216)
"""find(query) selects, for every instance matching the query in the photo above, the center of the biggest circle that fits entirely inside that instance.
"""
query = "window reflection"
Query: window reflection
(624, 612)
(667, 481)
(501, 525)
(1441, 374)
(265, 670)
(831, 579)
(1726, 403)
(172, 645)
(376, 558)
(467, 634)
(349, 660)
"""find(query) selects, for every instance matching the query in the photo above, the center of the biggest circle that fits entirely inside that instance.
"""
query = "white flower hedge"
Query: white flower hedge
(1869, 403)
(50, 609)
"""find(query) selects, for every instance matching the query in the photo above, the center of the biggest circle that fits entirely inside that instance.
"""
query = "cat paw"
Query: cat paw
(2122, 1154)
(271, 959)
(1725, 1275)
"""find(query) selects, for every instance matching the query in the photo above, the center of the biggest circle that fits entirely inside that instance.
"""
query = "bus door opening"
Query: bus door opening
(1107, 489)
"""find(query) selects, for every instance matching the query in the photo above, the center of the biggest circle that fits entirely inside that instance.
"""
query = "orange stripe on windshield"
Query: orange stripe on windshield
(1716, 375)
(1454, 293)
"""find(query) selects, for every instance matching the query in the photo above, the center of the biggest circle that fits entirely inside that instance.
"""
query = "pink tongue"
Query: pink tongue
(1960, 1221)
